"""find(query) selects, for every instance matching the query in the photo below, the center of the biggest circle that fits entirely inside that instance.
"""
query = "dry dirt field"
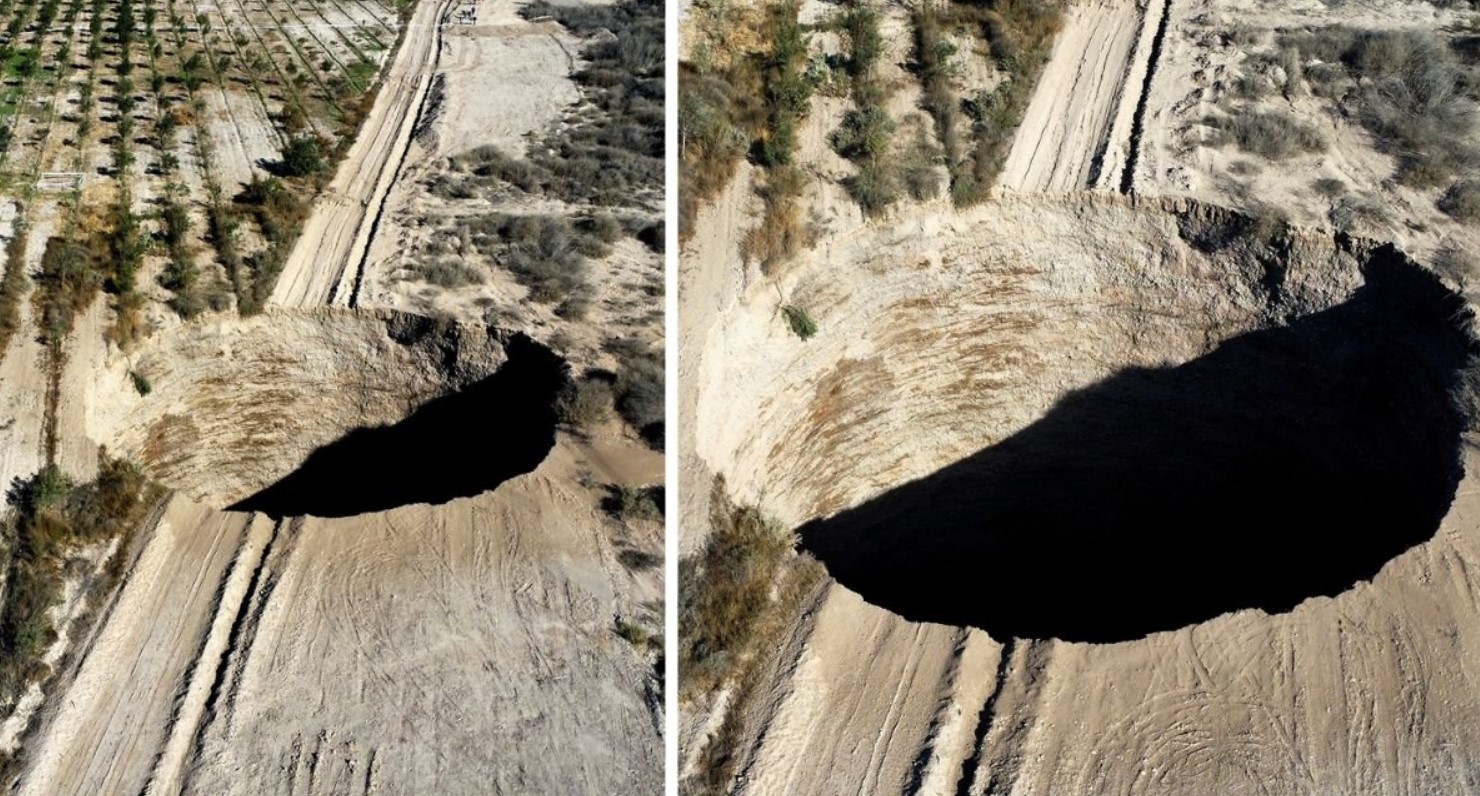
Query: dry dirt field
(1036, 443)
(267, 532)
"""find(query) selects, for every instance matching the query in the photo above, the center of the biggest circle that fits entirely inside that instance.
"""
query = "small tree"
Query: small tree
(304, 156)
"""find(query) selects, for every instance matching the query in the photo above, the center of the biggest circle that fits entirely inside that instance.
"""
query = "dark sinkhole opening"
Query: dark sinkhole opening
(1288, 463)
(458, 445)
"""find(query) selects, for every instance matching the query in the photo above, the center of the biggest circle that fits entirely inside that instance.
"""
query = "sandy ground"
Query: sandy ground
(1195, 74)
(247, 656)
(532, 62)
(324, 265)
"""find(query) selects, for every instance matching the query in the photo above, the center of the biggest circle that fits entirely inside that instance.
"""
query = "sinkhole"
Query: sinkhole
(334, 413)
(1104, 444)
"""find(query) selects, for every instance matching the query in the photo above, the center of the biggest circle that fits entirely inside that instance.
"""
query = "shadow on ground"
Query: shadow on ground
(1285, 464)
(459, 445)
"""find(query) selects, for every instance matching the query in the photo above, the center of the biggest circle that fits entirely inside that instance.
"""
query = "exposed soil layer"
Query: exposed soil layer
(503, 426)
(1287, 463)
(331, 412)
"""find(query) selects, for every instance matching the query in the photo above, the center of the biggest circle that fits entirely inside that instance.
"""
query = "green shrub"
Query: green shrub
(864, 134)
(799, 321)
(861, 25)
(304, 156)
(141, 384)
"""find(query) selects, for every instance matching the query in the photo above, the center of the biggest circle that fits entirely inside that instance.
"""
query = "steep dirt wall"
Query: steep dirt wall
(942, 336)
(234, 405)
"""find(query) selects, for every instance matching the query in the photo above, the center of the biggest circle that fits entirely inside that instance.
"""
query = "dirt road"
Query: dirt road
(324, 265)
(451, 649)
(1078, 128)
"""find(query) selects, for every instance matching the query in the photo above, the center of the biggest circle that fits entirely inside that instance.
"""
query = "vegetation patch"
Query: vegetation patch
(1462, 201)
(610, 149)
(737, 596)
(585, 403)
(629, 504)
(1019, 35)
(1273, 135)
(799, 321)
(1411, 90)
(13, 287)
(749, 103)
(867, 130)
(48, 520)
(640, 388)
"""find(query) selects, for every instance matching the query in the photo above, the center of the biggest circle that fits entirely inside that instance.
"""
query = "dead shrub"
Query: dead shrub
(1274, 135)
(1462, 201)
(586, 403)
(449, 273)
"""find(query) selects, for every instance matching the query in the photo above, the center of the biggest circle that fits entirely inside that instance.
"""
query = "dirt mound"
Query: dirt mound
(330, 412)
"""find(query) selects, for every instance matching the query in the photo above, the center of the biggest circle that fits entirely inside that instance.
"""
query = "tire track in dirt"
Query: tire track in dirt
(206, 669)
(129, 678)
(1138, 125)
(1083, 124)
(1064, 133)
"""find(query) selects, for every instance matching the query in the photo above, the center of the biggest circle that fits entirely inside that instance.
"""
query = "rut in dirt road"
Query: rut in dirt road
(1138, 126)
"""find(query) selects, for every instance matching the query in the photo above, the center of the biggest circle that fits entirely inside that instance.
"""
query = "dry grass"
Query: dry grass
(585, 403)
(1273, 135)
(782, 231)
(639, 388)
(1409, 89)
(1462, 201)
(725, 590)
(634, 504)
